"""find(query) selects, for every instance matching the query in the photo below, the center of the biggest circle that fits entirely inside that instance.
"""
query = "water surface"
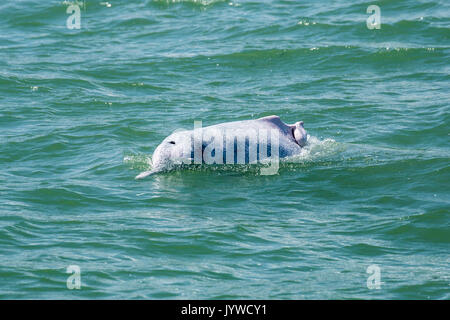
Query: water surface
(81, 112)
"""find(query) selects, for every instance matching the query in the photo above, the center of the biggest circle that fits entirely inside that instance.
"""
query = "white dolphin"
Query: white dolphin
(235, 142)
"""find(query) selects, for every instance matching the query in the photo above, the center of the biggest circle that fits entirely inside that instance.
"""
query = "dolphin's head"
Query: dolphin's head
(300, 134)
(174, 149)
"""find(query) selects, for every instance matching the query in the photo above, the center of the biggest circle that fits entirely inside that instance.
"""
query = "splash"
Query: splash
(315, 150)
(139, 162)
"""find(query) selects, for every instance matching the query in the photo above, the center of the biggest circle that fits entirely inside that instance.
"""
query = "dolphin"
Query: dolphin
(263, 140)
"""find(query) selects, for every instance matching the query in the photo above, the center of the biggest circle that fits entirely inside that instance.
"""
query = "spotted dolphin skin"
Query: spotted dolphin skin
(262, 140)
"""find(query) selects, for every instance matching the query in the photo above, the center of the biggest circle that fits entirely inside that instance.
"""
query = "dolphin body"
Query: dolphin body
(237, 142)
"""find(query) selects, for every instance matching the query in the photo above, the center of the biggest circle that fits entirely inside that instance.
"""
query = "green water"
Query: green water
(82, 110)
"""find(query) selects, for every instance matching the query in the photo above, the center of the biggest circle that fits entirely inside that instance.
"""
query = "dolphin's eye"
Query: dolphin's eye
(172, 142)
